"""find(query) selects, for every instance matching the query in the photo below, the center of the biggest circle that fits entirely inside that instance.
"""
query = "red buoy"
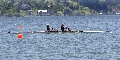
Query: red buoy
(19, 36)
(20, 26)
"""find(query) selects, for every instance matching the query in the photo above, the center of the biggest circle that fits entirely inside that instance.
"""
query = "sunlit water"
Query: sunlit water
(60, 46)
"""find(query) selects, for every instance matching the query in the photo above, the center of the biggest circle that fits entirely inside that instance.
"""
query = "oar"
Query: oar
(93, 31)
(19, 32)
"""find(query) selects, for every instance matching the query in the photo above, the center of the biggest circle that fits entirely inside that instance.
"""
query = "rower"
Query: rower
(8, 31)
(69, 29)
(48, 28)
(54, 30)
(62, 28)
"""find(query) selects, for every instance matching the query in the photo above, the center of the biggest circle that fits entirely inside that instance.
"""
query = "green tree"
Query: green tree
(67, 11)
(118, 7)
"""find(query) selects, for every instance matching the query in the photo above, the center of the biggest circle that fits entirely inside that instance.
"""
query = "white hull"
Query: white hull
(64, 32)
(74, 32)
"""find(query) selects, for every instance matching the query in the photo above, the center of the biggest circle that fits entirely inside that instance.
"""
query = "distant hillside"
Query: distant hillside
(62, 7)
(108, 2)
(99, 5)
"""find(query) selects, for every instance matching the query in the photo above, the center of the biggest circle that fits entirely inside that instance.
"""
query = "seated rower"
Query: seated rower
(63, 28)
(48, 28)
(54, 30)
(69, 29)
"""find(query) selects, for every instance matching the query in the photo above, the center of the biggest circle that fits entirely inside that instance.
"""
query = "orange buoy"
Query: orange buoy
(20, 26)
(19, 36)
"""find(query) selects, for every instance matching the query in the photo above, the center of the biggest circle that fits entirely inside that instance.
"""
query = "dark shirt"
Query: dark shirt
(48, 28)
(62, 28)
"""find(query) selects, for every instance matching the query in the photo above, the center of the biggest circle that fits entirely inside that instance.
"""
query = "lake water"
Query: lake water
(67, 46)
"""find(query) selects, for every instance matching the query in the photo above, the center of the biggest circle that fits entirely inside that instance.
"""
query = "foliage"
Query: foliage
(66, 7)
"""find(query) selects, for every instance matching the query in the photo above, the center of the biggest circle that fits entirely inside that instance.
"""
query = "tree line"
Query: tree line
(63, 7)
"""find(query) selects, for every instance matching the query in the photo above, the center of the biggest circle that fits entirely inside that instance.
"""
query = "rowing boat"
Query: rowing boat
(82, 31)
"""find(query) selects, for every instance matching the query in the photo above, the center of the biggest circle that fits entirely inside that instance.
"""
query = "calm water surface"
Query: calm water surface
(67, 46)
